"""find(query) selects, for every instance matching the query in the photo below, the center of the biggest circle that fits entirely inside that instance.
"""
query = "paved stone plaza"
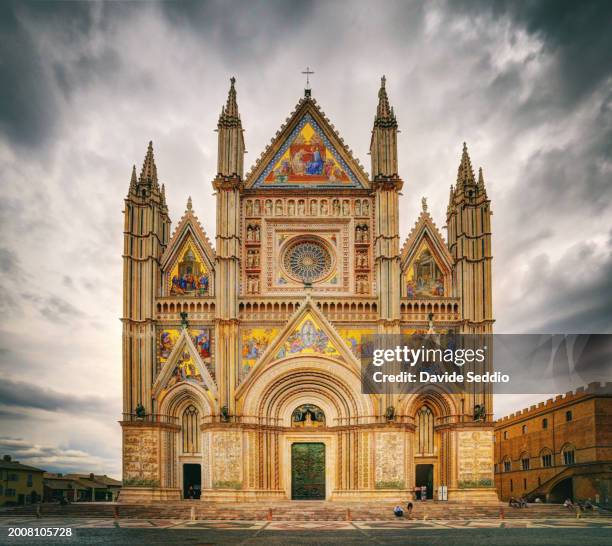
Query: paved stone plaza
(513, 532)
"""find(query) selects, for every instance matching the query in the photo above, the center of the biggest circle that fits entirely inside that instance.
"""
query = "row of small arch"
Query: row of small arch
(437, 307)
(360, 207)
(567, 448)
(184, 306)
(366, 307)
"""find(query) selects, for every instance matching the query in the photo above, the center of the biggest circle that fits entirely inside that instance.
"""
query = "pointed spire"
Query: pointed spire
(383, 146)
(163, 194)
(480, 179)
(134, 179)
(230, 156)
(189, 204)
(424, 204)
(231, 109)
(148, 174)
(385, 117)
(451, 199)
(229, 113)
(465, 173)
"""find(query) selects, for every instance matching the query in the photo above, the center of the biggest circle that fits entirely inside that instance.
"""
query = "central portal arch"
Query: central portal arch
(311, 400)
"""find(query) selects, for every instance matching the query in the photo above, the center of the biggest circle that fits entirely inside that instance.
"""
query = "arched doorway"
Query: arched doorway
(429, 410)
(307, 458)
(187, 461)
(561, 491)
(425, 453)
(190, 447)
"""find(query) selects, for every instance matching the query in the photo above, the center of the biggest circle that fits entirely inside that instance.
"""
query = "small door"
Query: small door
(424, 477)
(308, 471)
(192, 481)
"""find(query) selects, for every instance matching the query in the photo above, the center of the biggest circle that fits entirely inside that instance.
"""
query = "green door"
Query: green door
(307, 471)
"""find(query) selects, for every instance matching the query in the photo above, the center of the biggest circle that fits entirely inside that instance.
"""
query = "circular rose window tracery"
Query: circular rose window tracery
(307, 261)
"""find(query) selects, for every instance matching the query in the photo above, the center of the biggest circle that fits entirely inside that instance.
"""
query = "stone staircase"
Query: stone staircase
(296, 511)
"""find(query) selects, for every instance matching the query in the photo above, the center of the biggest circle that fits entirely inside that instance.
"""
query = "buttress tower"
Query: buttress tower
(468, 219)
(228, 185)
(386, 185)
(145, 237)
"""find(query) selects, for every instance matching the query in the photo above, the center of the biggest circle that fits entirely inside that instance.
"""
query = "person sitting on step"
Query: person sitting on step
(399, 513)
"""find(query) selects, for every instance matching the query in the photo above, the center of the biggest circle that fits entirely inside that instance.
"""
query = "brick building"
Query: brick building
(559, 449)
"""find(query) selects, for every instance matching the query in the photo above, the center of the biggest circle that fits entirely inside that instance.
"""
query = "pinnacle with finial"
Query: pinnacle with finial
(385, 117)
(229, 113)
(231, 108)
(424, 203)
(465, 173)
(480, 178)
(189, 204)
(148, 174)
(134, 179)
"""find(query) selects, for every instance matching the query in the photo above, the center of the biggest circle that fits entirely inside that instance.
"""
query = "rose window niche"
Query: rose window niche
(307, 261)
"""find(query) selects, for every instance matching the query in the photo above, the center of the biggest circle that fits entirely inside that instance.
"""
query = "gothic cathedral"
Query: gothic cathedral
(241, 369)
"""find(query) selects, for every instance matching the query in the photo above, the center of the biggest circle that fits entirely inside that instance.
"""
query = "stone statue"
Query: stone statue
(480, 413)
(184, 321)
(140, 411)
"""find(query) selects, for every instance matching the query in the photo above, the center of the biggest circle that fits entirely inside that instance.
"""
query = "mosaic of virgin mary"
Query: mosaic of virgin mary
(307, 160)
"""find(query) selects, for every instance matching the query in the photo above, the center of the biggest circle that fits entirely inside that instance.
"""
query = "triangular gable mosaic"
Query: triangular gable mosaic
(184, 364)
(307, 159)
(424, 277)
(202, 340)
(308, 338)
(189, 274)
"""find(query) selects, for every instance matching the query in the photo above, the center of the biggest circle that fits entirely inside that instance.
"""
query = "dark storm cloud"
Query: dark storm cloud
(240, 31)
(570, 295)
(575, 34)
(30, 105)
(27, 106)
(577, 174)
(579, 308)
(25, 395)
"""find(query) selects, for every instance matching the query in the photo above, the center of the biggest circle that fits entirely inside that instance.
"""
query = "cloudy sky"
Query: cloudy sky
(528, 85)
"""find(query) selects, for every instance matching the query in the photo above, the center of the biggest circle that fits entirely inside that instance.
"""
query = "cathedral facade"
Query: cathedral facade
(241, 366)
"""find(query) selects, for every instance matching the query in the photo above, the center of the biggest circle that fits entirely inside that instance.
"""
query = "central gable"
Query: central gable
(307, 153)
(308, 337)
(307, 159)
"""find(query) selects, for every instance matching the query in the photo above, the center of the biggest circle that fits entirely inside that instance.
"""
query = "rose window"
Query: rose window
(308, 261)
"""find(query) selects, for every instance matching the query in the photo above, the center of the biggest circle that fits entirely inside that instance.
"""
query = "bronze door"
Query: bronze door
(308, 471)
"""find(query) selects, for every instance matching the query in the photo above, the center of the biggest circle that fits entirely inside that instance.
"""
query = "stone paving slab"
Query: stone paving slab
(99, 523)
